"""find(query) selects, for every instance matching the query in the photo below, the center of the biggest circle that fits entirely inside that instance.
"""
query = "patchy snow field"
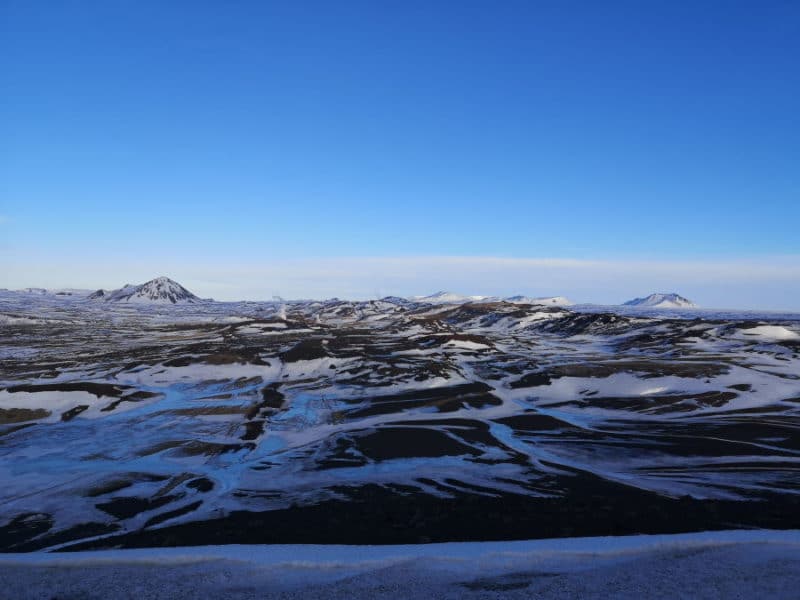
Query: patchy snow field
(389, 421)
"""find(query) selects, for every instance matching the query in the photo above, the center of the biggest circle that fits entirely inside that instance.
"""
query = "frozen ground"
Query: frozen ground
(730, 564)
(388, 421)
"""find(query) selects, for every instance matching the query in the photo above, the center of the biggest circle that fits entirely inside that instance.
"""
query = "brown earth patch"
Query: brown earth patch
(309, 349)
(20, 415)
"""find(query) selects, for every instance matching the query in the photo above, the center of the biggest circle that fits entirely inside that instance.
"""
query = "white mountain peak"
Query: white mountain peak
(662, 300)
(448, 298)
(161, 290)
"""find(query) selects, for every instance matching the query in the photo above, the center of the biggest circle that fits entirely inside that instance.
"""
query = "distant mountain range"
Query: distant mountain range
(163, 290)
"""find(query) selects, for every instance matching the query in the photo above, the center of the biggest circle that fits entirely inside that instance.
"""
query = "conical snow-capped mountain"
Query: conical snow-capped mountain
(667, 300)
(161, 290)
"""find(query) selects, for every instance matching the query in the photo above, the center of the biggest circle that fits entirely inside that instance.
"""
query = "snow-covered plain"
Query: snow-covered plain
(725, 564)
(390, 420)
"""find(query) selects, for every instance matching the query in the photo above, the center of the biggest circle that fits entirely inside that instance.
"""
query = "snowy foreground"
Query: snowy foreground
(727, 564)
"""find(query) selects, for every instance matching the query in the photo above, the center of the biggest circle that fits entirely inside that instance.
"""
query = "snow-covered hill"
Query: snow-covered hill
(161, 290)
(666, 300)
(449, 298)
(547, 301)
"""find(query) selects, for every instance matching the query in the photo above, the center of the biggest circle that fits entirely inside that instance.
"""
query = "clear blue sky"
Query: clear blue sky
(155, 132)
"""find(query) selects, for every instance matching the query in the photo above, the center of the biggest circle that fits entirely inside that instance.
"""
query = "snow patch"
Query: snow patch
(666, 300)
(768, 333)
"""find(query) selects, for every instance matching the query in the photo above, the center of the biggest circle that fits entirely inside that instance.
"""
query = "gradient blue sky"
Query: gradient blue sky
(219, 142)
